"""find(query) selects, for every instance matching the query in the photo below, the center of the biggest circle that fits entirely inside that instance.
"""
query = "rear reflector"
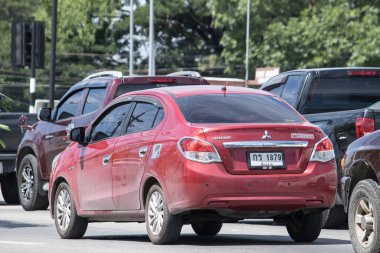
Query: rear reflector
(161, 80)
(363, 73)
(364, 126)
(323, 151)
(198, 150)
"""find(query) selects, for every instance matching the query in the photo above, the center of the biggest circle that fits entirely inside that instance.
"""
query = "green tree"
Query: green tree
(297, 33)
(330, 36)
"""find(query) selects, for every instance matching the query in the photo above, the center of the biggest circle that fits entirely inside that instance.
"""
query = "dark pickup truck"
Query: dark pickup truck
(10, 138)
(339, 101)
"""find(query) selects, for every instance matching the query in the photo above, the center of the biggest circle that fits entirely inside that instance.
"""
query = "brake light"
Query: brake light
(323, 151)
(363, 73)
(198, 150)
(161, 80)
(364, 126)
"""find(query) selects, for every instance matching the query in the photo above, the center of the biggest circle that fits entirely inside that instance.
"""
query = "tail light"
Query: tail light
(198, 150)
(323, 151)
(363, 73)
(364, 126)
(161, 80)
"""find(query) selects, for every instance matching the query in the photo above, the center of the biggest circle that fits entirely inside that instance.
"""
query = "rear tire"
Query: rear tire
(67, 222)
(9, 190)
(304, 227)
(207, 228)
(162, 226)
(30, 184)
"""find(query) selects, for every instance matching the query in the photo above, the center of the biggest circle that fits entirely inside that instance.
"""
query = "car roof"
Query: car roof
(99, 82)
(341, 72)
(191, 90)
(320, 70)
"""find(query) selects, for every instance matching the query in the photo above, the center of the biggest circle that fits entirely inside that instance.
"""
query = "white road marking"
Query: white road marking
(21, 243)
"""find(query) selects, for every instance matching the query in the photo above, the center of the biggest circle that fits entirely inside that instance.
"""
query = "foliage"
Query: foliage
(298, 34)
(6, 128)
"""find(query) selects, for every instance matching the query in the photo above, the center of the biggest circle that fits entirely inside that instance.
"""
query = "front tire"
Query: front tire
(30, 184)
(9, 190)
(67, 222)
(207, 228)
(364, 217)
(304, 227)
(162, 226)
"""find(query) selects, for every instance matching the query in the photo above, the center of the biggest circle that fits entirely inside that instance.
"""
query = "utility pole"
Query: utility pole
(32, 87)
(53, 54)
(131, 25)
(247, 44)
(151, 70)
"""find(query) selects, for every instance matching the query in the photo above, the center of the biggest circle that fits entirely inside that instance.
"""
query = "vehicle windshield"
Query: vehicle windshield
(236, 108)
(340, 94)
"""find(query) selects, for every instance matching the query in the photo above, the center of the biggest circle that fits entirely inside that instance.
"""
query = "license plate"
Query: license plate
(266, 160)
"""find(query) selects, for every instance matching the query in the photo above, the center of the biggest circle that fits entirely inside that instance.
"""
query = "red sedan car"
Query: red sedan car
(194, 155)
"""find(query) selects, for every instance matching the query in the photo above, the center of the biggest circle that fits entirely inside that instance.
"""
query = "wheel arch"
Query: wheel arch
(56, 183)
(361, 170)
(149, 182)
(24, 151)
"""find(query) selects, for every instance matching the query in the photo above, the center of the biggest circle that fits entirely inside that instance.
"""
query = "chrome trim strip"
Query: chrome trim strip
(266, 144)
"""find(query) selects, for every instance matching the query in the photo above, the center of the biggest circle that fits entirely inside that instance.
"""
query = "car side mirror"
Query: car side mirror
(78, 135)
(44, 114)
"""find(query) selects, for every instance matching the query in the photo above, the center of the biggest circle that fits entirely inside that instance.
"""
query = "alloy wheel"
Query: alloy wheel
(27, 182)
(156, 213)
(63, 209)
(364, 220)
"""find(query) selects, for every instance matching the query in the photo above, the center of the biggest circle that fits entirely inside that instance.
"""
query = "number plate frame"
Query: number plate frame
(275, 167)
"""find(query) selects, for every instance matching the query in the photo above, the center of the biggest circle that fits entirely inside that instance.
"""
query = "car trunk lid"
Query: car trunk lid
(264, 148)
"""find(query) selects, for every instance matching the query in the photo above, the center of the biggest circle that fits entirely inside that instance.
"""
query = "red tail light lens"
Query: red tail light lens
(363, 73)
(161, 80)
(198, 150)
(364, 126)
(323, 151)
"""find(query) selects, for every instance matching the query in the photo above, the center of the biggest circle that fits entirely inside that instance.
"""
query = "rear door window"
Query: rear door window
(277, 90)
(291, 89)
(94, 99)
(236, 108)
(340, 94)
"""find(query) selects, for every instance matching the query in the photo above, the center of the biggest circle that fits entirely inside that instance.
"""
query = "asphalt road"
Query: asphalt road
(34, 232)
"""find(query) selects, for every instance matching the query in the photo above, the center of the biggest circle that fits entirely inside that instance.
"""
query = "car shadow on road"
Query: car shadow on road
(280, 224)
(12, 224)
(3, 203)
(225, 240)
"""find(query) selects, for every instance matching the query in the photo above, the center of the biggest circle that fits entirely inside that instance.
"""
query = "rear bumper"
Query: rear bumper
(209, 186)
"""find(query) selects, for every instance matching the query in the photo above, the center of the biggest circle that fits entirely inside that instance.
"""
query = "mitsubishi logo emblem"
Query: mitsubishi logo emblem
(266, 136)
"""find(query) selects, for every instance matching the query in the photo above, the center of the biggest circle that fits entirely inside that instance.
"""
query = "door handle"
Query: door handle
(143, 151)
(48, 137)
(106, 160)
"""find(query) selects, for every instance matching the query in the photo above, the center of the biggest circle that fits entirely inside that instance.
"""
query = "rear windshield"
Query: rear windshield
(340, 94)
(236, 108)
(124, 88)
